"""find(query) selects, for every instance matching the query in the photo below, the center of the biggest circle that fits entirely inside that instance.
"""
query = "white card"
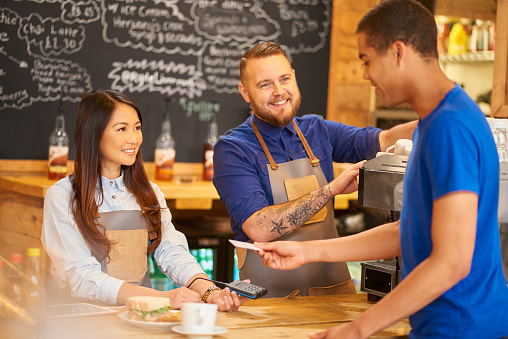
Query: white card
(243, 244)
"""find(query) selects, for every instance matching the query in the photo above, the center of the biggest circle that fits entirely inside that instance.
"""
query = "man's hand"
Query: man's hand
(342, 331)
(347, 181)
(282, 255)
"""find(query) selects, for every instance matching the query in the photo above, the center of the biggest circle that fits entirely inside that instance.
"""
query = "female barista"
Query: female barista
(101, 222)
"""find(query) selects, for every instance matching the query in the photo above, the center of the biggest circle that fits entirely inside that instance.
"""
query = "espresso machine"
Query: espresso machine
(499, 128)
(381, 183)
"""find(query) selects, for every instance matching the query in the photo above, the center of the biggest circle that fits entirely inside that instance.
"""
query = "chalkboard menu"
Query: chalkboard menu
(187, 50)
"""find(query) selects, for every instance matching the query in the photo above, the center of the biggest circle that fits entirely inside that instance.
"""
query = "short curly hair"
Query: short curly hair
(400, 20)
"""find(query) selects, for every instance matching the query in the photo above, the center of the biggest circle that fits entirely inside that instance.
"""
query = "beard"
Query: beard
(279, 120)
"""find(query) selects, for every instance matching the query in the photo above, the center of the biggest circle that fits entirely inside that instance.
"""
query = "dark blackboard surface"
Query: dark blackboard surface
(151, 50)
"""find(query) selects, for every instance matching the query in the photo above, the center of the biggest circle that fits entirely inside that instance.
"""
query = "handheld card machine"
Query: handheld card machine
(244, 288)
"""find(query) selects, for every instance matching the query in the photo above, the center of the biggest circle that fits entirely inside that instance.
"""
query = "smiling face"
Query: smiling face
(120, 141)
(382, 71)
(270, 87)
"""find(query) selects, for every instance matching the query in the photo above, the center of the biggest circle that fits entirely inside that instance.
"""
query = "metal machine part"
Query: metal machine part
(379, 278)
(503, 214)
(382, 182)
(381, 185)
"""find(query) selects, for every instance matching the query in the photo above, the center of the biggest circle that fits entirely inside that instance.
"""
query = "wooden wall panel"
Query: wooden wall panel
(21, 214)
(349, 96)
(500, 81)
(473, 9)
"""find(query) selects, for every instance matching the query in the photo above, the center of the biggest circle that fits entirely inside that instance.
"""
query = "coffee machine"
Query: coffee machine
(499, 128)
(381, 183)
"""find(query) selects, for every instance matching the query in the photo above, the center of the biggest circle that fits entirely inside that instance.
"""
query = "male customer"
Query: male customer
(263, 167)
(452, 282)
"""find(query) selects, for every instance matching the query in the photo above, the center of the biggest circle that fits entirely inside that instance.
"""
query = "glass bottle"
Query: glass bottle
(208, 146)
(58, 148)
(165, 149)
(2, 288)
(501, 139)
(35, 303)
(15, 278)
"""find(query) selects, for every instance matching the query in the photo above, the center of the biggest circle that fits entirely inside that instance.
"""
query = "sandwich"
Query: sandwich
(151, 309)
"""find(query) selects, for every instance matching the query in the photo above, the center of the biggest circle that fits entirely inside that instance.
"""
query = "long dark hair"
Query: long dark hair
(94, 113)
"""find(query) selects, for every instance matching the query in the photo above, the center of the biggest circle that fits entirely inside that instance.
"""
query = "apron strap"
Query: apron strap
(313, 160)
(262, 142)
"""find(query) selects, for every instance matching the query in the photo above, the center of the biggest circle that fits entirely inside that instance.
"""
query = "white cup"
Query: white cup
(399, 147)
(198, 317)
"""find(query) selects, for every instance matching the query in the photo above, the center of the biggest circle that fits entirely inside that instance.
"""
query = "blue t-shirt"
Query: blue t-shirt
(240, 172)
(454, 150)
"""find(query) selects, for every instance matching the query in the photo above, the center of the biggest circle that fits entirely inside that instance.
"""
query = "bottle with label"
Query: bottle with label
(15, 278)
(35, 303)
(458, 40)
(210, 141)
(165, 149)
(58, 148)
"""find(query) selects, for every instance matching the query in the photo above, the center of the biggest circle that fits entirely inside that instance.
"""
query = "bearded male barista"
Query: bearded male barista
(274, 173)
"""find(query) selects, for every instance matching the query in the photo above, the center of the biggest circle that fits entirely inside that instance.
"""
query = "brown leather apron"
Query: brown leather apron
(309, 279)
(129, 260)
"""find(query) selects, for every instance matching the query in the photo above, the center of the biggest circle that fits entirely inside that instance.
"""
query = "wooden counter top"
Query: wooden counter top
(28, 177)
(199, 190)
(262, 318)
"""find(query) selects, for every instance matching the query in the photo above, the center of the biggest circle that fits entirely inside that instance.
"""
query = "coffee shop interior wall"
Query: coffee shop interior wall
(184, 50)
(351, 99)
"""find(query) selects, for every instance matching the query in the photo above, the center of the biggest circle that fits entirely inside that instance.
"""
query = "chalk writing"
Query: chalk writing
(50, 80)
(51, 35)
(157, 76)
(219, 63)
(155, 27)
(305, 24)
(82, 12)
(229, 20)
(205, 109)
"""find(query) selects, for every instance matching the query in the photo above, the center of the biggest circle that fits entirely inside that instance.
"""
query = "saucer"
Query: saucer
(193, 335)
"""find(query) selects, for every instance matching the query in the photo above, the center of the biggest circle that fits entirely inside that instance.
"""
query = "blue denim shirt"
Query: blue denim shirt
(240, 171)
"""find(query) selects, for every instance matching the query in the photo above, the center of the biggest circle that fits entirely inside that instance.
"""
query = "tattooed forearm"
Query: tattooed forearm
(281, 219)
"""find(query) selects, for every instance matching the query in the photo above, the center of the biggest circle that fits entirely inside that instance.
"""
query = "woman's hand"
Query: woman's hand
(181, 295)
(226, 299)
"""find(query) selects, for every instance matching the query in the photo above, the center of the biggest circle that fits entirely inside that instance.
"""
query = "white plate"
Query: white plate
(161, 326)
(76, 310)
(216, 331)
